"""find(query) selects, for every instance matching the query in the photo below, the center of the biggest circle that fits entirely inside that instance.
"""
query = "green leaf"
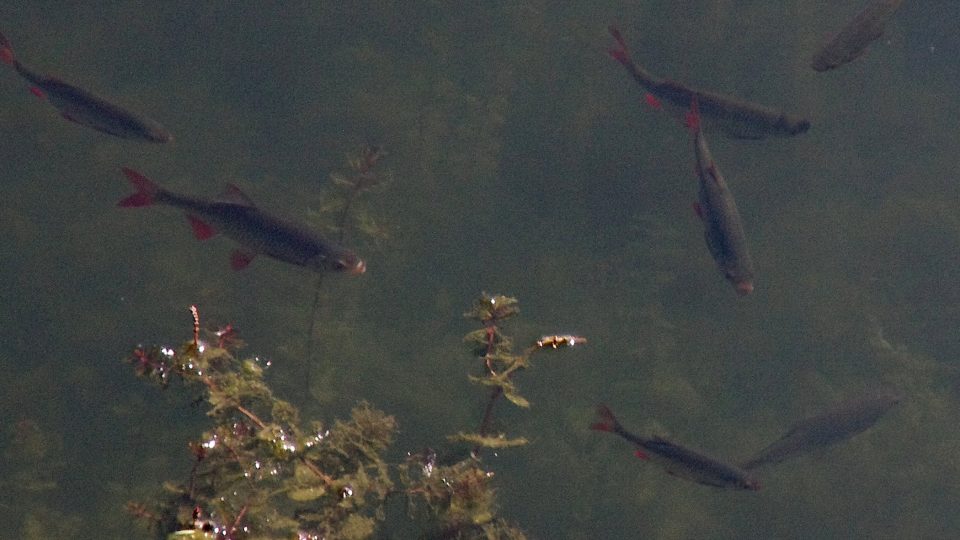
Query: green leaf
(191, 534)
(516, 398)
(307, 494)
(499, 441)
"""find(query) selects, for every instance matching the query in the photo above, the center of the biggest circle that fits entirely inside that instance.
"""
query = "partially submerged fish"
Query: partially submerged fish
(84, 108)
(853, 39)
(723, 228)
(257, 231)
(837, 424)
(678, 461)
(735, 117)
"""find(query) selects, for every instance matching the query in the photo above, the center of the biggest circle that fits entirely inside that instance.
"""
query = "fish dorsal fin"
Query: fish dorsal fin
(232, 194)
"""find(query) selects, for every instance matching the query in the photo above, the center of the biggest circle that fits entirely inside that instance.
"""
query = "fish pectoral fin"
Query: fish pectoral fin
(241, 258)
(652, 101)
(641, 454)
(201, 229)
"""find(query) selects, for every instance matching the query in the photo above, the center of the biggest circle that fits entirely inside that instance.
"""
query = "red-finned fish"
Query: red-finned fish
(853, 38)
(723, 228)
(735, 117)
(84, 108)
(836, 424)
(257, 231)
(677, 460)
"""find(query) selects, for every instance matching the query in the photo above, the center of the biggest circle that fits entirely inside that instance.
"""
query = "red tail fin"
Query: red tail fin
(607, 421)
(692, 119)
(6, 51)
(620, 53)
(146, 190)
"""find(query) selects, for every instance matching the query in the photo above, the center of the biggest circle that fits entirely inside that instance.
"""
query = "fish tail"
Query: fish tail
(147, 191)
(6, 51)
(606, 420)
(619, 53)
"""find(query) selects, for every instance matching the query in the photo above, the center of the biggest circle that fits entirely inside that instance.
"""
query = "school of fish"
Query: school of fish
(259, 232)
(727, 244)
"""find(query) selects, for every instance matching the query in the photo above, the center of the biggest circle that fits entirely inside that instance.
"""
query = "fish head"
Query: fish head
(152, 131)
(748, 482)
(340, 261)
(743, 287)
(793, 125)
(159, 135)
(742, 281)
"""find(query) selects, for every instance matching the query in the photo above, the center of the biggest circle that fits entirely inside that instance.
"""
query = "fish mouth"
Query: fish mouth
(162, 137)
(359, 268)
(744, 287)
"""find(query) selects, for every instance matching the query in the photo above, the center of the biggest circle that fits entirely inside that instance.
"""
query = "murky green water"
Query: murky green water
(522, 163)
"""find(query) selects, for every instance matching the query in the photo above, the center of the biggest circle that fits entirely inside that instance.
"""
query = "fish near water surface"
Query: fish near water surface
(852, 40)
(735, 117)
(84, 108)
(723, 228)
(678, 460)
(836, 424)
(257, 231)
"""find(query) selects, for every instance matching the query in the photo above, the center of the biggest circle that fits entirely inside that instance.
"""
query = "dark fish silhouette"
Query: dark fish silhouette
(723, 228)
(257, 231)
(852, 40)
(735, 117)
(677, 460)
(837, 424)
(84, 108)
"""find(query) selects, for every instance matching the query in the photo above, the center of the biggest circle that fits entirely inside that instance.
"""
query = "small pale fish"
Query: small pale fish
(830, 427)
(735, 117)
(258, 232)
(84, 108)
(678, 460)
(556, 342)
(723, 228)
(852, 40)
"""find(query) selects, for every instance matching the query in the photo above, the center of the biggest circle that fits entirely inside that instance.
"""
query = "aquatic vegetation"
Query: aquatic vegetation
(346, 187)
(262, 472)
(500, 363)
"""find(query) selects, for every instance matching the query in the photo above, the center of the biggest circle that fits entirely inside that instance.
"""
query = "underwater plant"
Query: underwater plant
(339, 200)
(261, 472)
(500, 363)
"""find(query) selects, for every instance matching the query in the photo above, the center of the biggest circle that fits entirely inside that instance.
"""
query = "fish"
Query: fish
(723, 228)
(735, 117)
(852, 40)
(678, 460)
(85, 108)
(830, 427)
(257, 231)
